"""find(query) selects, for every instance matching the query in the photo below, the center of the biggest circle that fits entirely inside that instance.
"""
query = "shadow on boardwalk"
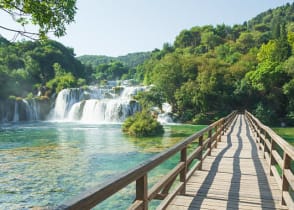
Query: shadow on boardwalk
(233, 200)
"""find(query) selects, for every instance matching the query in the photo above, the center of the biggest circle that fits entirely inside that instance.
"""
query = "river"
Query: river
(42, 164)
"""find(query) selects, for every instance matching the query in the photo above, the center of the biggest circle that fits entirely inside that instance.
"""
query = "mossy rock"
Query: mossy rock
(118, 90)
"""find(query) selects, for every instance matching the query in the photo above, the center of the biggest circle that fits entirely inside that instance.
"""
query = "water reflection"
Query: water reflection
(172, 135)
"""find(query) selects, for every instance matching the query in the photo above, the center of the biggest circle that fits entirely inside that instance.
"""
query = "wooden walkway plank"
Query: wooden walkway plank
(235, 176)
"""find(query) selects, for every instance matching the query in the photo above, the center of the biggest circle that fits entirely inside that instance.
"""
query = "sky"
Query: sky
(119, 27)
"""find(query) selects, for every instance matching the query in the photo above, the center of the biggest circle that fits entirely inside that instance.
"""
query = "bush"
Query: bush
(142, 124)
(30, 96)
(265, 114)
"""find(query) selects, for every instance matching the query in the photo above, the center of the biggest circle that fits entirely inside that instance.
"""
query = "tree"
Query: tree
(49, 15)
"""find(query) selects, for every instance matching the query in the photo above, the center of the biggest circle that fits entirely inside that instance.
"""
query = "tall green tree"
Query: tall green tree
(49, 15)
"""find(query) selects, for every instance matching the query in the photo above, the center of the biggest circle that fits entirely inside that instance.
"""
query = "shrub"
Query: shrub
(142, 124)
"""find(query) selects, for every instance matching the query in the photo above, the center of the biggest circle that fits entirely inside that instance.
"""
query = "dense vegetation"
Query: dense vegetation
(208, 71)
(142, 124)
(204, 74)
(130, 60)
(26, 67)
(114, 68)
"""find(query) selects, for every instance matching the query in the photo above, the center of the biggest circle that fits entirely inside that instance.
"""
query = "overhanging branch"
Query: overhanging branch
(24, 33)
(19, 31)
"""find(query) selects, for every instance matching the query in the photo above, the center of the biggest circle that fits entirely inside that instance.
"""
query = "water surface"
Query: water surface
(44, 164)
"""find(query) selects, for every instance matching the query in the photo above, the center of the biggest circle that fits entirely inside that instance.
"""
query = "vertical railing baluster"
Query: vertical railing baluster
(223, 127)
(220, 131)
(256, 132)
(285, 183)
(209, 141)
(142, 191)
(216, 135)
(184, 171)
(200, 144)
(264, 144)
(272, 159)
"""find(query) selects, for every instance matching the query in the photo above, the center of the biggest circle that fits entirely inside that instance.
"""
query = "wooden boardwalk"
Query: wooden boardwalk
(249, 167)
(235, 176)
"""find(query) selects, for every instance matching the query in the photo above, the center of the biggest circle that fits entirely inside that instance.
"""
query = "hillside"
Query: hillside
(27, 66)
(211, 70)
(130, 60)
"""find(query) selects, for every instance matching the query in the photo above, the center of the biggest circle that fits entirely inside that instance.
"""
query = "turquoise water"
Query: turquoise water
(44, 164)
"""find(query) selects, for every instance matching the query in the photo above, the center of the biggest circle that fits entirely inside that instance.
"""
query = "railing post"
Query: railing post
(256, 128)
(272, 159)
(219, 138)
(200, 143)
(263, 132)
(216, 135)
(184, 171)
(223, 127)
(141, 191)
(209, 141)
(285, 183)
(264, 144)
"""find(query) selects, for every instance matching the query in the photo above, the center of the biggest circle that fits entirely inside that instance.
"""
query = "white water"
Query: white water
(32, 110)
(165, 116)
(95, 105)
(15, 114)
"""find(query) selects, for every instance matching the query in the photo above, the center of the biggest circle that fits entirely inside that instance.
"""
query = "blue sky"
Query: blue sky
(118, 27)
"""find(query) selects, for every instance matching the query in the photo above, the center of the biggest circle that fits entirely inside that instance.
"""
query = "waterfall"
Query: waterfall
(20, 110)
(32, 110)
(165, 116)
(15, 115)
(96, 105)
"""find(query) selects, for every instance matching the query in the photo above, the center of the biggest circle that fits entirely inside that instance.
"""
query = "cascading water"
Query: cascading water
(95, 105)
(16, 111)
(165, 116)
(32, 110)
(19, 110)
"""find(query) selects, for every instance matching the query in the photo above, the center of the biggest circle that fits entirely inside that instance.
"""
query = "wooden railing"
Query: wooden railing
(279, 155)
(207, 139)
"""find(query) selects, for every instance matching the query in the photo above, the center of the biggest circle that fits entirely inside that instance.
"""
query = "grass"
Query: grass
(286, 133)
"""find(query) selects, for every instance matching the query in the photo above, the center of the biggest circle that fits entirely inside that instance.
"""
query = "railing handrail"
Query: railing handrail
(268, 141)
(92, 197)
(278, 139)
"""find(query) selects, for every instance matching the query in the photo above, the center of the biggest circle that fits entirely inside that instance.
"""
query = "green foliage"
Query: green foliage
(111, 71)
(49, 15)
(142, 124)
(206, 72)
(114, 68)
(265, 114)
(63, 81)
(211, 70)
(149, 99)
(30, 96)
(25, 64)
(130, 60)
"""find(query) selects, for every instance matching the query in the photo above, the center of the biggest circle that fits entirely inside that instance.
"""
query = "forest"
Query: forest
(210, 70)
(207, 72)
